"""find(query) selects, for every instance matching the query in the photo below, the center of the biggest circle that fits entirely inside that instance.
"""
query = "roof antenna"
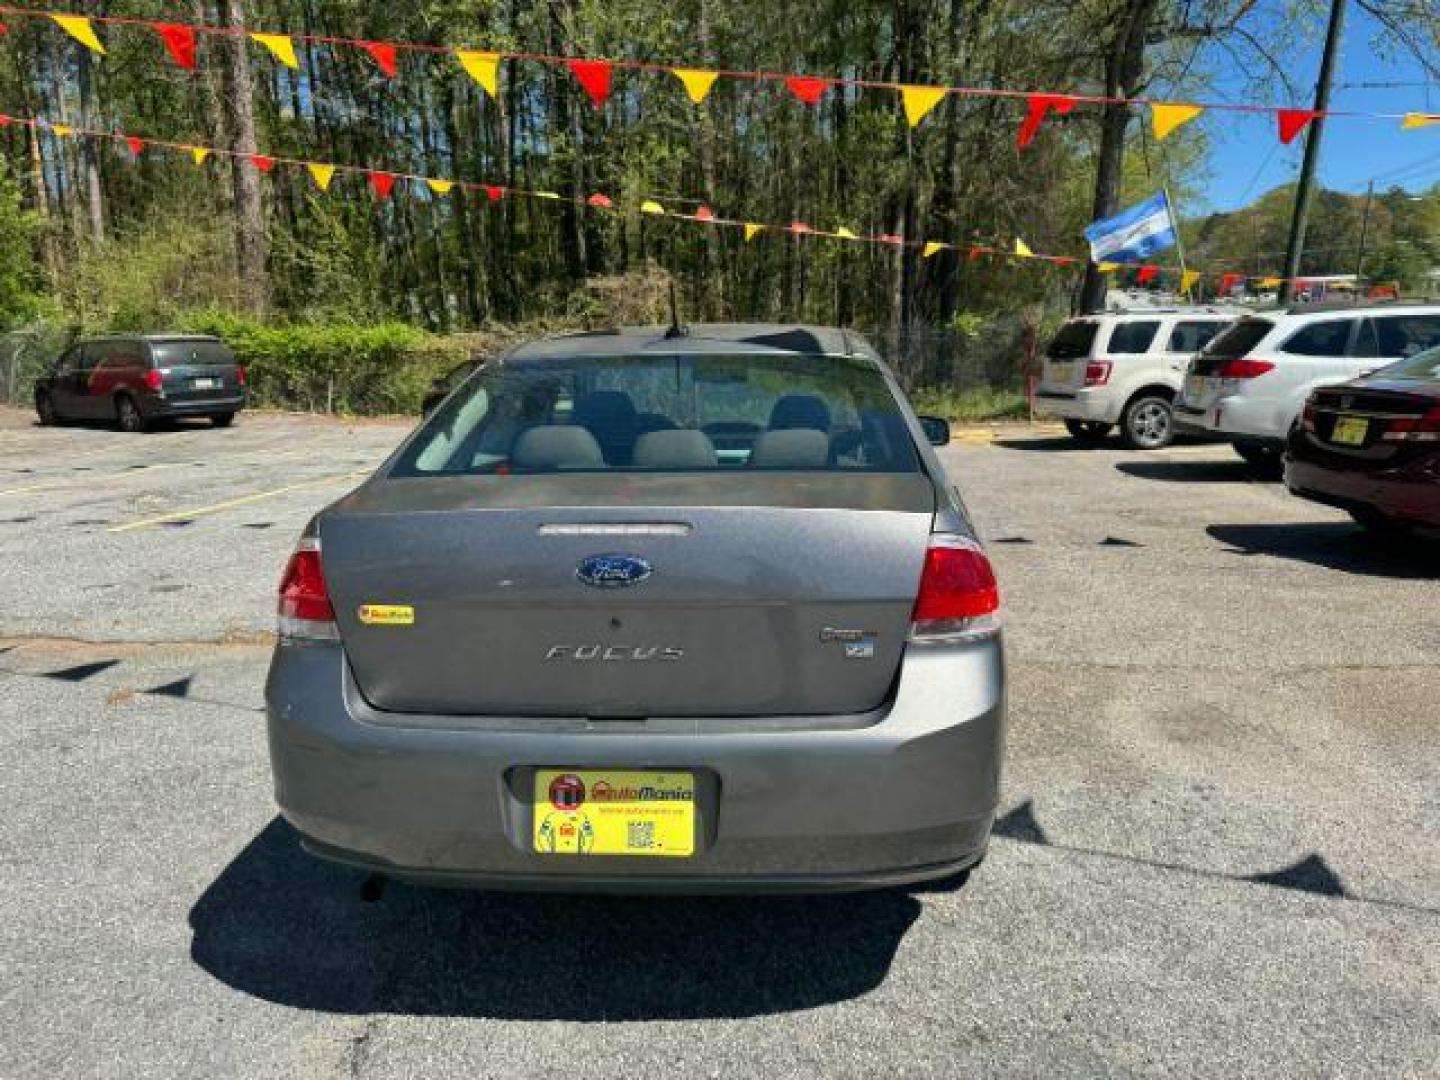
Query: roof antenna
(676, 329)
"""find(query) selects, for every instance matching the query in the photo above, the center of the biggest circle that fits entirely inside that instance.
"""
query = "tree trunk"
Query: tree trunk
(89, 151)
(250, 241)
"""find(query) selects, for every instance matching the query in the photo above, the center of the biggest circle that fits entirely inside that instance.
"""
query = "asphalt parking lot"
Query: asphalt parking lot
(1219, 855)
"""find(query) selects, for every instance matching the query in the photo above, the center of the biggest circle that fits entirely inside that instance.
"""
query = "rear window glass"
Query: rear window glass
(1189, 337)
(1425, 365)
(1406, 335)
(1132, 337)
(1239, 339)
(176, 353)
(666, 414)
(1327, 338)
(1073, 341)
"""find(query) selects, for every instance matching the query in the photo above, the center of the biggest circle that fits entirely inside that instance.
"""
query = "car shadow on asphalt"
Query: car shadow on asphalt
(1336, 545)
(1050, 445)
(1191, 472)
(287, 928)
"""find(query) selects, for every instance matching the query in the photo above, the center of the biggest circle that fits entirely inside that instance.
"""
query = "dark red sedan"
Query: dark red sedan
(1372, 446)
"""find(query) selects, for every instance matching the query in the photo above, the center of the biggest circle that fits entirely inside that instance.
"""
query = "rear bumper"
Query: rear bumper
(1231, 417)
(1395, 496)
(1076, 405)
(154, 408)
(903, 796)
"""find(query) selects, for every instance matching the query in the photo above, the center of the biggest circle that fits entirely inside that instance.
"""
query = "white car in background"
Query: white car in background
(1250, 384)
(1124, 367)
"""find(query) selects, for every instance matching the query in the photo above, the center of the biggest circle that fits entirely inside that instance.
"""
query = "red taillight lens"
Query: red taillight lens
(153, 379)
(1097, 373)
(958, 595)
(305, 610)
(1307, 418)
(1423, 428)
(240, 374)
(1244, 369)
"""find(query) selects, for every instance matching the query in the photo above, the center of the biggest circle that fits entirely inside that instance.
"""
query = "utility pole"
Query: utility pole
(1364, 235)
(1304, 191)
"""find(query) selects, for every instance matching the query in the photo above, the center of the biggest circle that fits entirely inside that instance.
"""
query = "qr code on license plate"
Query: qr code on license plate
(640, 834)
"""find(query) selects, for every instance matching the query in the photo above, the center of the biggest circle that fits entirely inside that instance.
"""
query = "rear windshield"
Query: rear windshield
(179, 353)
(666, 414)
(1425, 365)
(1239, 339)
(1073, 341)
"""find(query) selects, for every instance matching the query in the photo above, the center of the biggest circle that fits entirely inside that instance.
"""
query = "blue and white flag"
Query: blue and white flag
(1135, 234)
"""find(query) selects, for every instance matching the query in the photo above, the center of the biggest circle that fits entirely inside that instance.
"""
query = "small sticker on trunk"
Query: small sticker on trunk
(387, 614)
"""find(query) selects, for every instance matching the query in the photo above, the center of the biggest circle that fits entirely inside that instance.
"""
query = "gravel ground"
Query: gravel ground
(1218, 854)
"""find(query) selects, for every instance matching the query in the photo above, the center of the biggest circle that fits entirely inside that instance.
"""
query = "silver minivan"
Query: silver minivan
(648, 610)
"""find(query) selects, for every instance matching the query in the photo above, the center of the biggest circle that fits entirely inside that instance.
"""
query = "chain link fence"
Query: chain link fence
(24, 355)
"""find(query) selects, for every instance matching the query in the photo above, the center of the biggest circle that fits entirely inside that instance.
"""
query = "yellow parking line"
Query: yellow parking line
(31, 487)
(215, 508)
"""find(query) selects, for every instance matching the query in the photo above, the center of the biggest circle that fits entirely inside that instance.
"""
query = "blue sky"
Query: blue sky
(1247, 159)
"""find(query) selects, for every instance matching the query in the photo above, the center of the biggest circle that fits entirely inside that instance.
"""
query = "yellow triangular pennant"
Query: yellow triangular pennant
(483, 67)
(62, 130)
(845, 234)
(1270, 282)
(697, 83)
(1023, 249)
(547, 195)
(1419, 120)
(198, 154)
(930, 248)
(78, 27)
(1107, 267)
(919, 100)
(1188, 278)
(752, 230)
(650, 206)
(280, 46)
(1167, 116)
(322, 174)
(440, 187)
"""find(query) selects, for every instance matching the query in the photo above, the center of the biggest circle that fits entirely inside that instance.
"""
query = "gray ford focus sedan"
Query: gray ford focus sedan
(648, 610)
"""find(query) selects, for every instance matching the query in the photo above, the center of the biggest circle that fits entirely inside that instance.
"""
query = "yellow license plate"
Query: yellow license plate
(1194, 387)
(614, 812)
(1350, 431)
(1061, 374)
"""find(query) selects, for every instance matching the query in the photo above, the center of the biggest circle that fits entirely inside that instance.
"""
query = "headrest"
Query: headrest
(681, 449)
(802, 448)
(800, 411)
(557, 446)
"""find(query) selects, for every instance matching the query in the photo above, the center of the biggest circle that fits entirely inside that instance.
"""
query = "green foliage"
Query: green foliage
(20, 280)
(974, 404)
(384, 368)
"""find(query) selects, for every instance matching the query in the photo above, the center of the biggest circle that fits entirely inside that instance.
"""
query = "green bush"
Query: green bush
(973, 404)
(335, 367)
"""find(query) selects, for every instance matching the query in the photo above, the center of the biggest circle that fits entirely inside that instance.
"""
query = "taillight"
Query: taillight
(1244, 369)
(958, 597)
(240, 374)
(153, 379)
(1424, 428)
(305, 611)
(1097, 372)
(1307, 418)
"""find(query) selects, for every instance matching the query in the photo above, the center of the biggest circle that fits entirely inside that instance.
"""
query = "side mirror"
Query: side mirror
(937, 430)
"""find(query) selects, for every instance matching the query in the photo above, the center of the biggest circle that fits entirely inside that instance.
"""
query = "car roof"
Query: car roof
(733, 338)
(1342, 307)
(1182, 311)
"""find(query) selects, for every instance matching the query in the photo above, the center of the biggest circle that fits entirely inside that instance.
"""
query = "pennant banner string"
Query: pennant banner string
(382, 183)
(809, 88)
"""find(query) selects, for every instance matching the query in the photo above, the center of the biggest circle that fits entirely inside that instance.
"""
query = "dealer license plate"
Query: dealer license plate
(206, 384)
(614, 812)
(1194, 387)
(1350, 431)
(1061, 374)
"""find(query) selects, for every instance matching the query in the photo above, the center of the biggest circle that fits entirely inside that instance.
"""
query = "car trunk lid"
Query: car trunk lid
(778, 594)
(197, 370)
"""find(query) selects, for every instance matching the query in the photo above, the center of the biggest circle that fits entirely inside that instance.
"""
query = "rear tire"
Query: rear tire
(222, 419)
(1379, 524)
(45, 410)
(1262, 459)
(1147, 423)
(1088, 431)
(127, 415)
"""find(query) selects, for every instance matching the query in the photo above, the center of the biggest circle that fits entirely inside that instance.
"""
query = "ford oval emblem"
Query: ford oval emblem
(612, 571)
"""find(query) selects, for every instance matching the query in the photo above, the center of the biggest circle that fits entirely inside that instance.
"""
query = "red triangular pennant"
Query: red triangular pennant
(179, 43)
(383, 54)
(4, 120)
(798, 227)
(382, 183)
(1147, 274)
(1293, 121)
(704, 214)
(1039, 106)
(807, 88)
(594, 76)
(602, 201)
(891, 238)
(135, 143)
(1229, 281)
(494, 193)
(975, 253)
(262, 162)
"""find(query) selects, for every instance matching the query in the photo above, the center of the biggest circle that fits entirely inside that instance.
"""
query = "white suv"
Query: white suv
(1124, 367)
(1250, 383)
